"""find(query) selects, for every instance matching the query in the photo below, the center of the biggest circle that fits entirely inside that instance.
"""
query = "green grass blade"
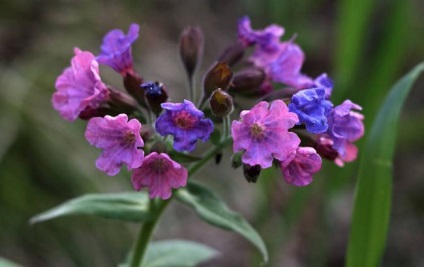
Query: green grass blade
(371, 210)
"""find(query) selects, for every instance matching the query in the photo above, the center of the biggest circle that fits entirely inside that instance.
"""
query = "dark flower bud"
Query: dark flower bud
(218, 76)
(251, 173)
(236, 160)
(121, 102)
(132, 84)
(247, 81)
(191, 48)
(232, 54)
(324, 147)
(155, 94)
(218, 158)
(221, 103)
(90, 112)
(147, 132)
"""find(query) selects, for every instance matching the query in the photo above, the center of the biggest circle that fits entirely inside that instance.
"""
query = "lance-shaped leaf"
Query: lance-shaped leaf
(374, 184)
(214, 211)
(177, 253)
(129, 206)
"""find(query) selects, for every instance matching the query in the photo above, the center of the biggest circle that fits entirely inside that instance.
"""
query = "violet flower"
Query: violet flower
(160, 174)
(302, 164)
(186, 123)
(262, 133)
(116, 49)
(312, 108)
(120, 140)
(345, 127)
(79, 87)
(267, 39)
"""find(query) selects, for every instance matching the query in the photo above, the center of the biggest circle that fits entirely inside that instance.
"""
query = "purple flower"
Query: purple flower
(267, 39)
(116, 49)
(79, 87)
(345, 126)
(120, 140)
(186, 123)
(160, 173)
(300, 166)
(312, 108)
(262, 133)
(323, 81)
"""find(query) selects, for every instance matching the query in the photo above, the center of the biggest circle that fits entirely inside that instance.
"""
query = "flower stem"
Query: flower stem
(157, 207)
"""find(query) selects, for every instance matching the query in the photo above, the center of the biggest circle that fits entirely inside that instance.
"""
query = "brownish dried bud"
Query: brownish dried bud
(221, 103)
(191, 48)
(132, 84)
(251, 173)
(155, 94)
(218, 76)
(247, 81)
(232, 54)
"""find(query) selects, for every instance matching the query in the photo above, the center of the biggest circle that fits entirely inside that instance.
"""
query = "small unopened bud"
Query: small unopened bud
(121, 101)
(159, 147)
(221, 103)
(132, 84)
(191, 48)
(218, 76)
(236, 160)
(155, 94)
(90, 112)
(147, 132)
(324, 147)
(247, 81)
(251, 173)
(232, 54)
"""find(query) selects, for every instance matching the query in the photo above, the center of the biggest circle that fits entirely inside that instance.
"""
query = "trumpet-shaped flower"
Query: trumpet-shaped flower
(79, 87)
(160, 174)
(262, 133)
(120, 140)
(116, 49)
(312, 108)
(186, 123)
(300, 166)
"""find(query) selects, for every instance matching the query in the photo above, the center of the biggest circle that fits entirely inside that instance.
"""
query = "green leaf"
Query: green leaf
(177, 253)
(374, 184)
(7, 263)
(214, 211)
(183, 157)
(128, 206)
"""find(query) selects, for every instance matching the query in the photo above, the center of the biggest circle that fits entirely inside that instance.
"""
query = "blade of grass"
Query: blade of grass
(372, 203)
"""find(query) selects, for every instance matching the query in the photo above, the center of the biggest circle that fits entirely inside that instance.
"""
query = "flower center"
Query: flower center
(129, 138)
(257, 130)
(159, 166)
(184, 119)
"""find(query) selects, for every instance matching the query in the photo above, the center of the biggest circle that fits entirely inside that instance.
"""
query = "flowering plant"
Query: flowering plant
(293, 125)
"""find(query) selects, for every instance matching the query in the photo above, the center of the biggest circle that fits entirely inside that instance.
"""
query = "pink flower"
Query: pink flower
(120, 140)
(160, 174)
(262, 133)
(79, 87)
(299, 167)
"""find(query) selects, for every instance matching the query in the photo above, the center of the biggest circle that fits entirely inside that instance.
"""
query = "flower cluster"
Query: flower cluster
(132, 128)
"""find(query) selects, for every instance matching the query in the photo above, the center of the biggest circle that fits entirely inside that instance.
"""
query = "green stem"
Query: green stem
(158, 207)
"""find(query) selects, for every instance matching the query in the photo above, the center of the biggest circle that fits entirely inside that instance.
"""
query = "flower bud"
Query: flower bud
(247, 81)
(236, 160)
(324, 147)
(191, 48)
(232, 54)
(218, 76)
(159, 147)
(121, 101)
(132, 84)
(155, 94)
(221, 103)
(251, 173)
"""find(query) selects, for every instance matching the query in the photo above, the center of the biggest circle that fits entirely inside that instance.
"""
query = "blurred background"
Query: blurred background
(365, 45)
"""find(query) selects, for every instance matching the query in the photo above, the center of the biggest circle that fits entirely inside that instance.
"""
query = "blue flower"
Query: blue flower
(186, 123)
(312, 108)
(323, 81)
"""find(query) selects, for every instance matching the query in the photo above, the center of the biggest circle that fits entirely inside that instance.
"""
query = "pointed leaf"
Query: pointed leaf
(374, 184)
(177, 253)
(214, 211)
(129, 206)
